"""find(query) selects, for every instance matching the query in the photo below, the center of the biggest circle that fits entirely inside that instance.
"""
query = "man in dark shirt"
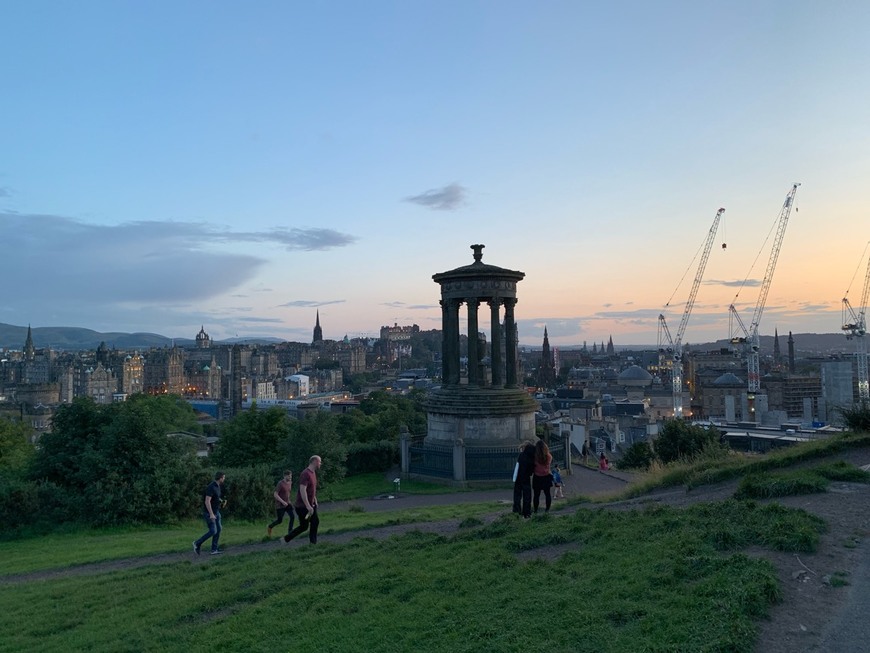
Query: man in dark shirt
(306, 502)
(523, 482)
(211, 501)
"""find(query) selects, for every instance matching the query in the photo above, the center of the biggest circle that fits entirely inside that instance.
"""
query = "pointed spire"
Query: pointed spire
(318, 332)
(29, 349)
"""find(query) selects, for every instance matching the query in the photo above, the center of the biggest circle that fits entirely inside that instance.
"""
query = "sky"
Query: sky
(167, 165)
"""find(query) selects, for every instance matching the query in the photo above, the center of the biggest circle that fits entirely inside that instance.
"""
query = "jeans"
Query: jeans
(523, 492)
(279, 517)
(214, 530)
(304, 523)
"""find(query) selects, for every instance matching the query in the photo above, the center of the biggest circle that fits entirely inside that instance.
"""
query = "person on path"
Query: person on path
(523, 482)
(282, 503)
(585, 453)
(603, 463)
(557, 483)
(306, 502)
(542, 480)
(211, 502)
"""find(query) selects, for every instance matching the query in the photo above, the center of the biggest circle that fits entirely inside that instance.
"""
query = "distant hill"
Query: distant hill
(75, 338)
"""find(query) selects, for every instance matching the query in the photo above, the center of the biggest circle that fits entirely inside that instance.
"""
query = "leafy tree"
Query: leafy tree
(638, 456)
(679, 439)
(16, 451)
(114, 464)
(255, 437)
(316, 435)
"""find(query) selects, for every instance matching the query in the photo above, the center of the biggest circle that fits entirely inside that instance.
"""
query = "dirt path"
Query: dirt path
(817, 613)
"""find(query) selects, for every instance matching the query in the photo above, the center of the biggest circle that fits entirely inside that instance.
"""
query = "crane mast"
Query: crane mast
(676, 344)
(750, 337)
(855, 326)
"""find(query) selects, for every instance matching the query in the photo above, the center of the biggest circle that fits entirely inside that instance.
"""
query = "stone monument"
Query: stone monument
(479, 410)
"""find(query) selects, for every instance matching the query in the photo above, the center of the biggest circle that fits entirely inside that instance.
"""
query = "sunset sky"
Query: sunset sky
(167, 165)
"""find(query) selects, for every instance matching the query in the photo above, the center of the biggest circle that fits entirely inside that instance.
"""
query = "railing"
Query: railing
(431, 460)
(490, 463)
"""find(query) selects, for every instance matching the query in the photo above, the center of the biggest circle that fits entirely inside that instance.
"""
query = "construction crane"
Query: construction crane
(675, 345)
(750, 338)
(855, 326)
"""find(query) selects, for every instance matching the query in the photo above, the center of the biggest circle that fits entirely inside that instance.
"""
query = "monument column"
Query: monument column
(510, 341)
(473, 342)
(453, 340)
(496, 342)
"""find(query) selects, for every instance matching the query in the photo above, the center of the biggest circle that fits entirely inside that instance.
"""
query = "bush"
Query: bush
(19, 502)
(857, 418)
(248, 491)
(681, 440)
(638, 456)
(365, 457)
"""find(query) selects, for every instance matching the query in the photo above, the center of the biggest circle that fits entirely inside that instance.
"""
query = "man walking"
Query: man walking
(306, 502)
(211, 500)
(282, 502)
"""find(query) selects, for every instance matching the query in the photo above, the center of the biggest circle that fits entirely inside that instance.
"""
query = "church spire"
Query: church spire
(318, 332)
(29, 349)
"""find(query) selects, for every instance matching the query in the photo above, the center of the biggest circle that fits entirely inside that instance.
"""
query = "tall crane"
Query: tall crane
(750, 339)
(855, 326)
(676, 344)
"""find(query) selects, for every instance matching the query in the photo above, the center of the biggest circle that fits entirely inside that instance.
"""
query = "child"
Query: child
(603, 463)
(557, 482)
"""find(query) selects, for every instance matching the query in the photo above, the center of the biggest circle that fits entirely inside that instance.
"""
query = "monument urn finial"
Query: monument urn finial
(478, 252)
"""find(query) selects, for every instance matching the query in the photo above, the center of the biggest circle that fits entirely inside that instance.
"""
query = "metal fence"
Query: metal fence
(431, 460)
(490, 463)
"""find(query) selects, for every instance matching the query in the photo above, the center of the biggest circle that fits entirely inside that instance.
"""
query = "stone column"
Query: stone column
(496, 342)
(510, 340)
(445, 341)
(453, 340)
(473, 342)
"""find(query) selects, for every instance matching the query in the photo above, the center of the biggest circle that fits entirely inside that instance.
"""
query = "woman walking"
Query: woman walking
(542, 480)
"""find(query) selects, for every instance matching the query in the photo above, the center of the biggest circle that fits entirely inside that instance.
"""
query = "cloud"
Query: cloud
(749, 283)
(449, 198)
(308, 303)
(410, 307)
(5, 192)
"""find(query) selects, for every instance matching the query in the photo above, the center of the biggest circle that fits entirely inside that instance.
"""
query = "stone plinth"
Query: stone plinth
(480, 417)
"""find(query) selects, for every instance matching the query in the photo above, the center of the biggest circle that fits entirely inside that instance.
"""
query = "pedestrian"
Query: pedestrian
(524, 468)
(212, 500)
(282, 503)
(557, 483)
(542, 480)
(585, 453)
(603, 463)
(306, 502)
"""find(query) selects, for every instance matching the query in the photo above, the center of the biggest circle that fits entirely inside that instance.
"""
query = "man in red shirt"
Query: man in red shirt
(306, 502)
(282, 502)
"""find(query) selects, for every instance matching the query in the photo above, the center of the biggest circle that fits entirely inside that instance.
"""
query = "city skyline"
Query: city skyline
(173, 165)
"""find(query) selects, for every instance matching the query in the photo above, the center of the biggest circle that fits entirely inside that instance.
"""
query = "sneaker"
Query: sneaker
(196, 548)
(216, 552)
(269, 531)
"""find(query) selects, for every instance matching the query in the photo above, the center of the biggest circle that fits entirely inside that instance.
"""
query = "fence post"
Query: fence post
(566, 442)
(459, 460)
(405, 449)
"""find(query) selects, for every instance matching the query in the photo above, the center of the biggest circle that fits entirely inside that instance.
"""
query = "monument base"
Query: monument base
(479, 417)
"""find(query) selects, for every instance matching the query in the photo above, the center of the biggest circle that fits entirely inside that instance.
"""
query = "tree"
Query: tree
(638, 456)
(16, 451)
(115, 463)
(316, 435)
(679, 439)
(254, 437)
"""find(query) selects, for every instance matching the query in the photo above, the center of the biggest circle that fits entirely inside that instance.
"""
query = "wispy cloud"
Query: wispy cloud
(448, 198)
(309, 303)
(410, 307)
(5, 192)
(749, 283)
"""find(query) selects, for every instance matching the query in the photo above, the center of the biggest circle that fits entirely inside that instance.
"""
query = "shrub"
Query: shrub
(638, 456)
(248, 491)
(365, 457)
(857, 418)
(680, 440)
